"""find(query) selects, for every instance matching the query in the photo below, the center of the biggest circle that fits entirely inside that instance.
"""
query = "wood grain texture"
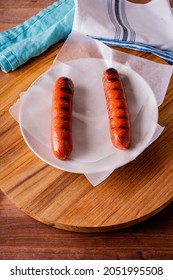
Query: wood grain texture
(68, 201)
(24, 238)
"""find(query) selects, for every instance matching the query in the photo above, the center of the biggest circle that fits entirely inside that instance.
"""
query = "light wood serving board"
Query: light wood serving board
(67, 201)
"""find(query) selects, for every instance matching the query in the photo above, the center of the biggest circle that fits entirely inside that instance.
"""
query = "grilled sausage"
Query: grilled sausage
(119, 119)
(61, 118)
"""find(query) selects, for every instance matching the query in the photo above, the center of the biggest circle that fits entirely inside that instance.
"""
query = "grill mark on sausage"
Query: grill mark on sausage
(66, 98)
(123, 127)
(117, 88)
(111, 71)
(65, 109)
(66, 89)
(65, 138)
(119, 98)
(120, 107)
(65, 118)
(113, 79)
(66, 80)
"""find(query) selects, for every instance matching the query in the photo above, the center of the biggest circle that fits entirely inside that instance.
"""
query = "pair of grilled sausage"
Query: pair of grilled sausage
(61, 114)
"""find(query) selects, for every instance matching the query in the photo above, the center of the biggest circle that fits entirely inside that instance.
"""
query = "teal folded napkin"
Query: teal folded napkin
(35, 35)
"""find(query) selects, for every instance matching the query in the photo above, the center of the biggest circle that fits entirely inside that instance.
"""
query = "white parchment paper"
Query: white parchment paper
(83, 60)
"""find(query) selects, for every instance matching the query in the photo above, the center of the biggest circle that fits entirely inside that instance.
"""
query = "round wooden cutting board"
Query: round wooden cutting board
(68, 201)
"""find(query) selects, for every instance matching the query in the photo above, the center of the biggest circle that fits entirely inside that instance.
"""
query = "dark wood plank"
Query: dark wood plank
(13, 12)
(21, 237)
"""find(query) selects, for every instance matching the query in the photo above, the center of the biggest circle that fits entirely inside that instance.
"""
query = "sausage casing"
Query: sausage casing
(119, 119)
(61, 118)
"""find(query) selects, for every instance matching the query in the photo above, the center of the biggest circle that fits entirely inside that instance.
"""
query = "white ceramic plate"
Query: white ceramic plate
(93, 151)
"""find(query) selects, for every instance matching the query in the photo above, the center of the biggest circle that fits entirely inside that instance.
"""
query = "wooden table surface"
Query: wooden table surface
(22, 237)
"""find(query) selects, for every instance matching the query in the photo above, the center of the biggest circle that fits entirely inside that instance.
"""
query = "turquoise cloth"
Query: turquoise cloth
(35, 35)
